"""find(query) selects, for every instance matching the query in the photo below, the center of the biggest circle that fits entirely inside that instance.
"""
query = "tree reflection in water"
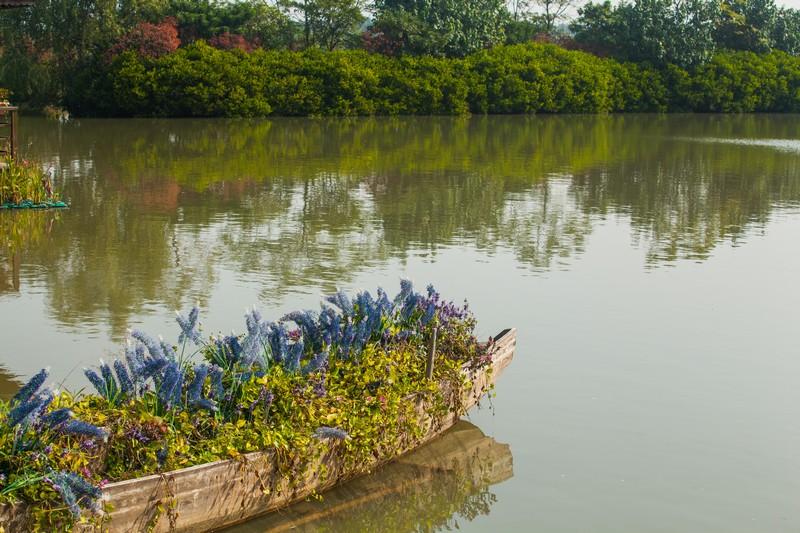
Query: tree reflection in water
(161, 208)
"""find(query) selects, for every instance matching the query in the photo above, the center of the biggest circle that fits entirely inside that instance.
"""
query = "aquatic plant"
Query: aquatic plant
(23, 180)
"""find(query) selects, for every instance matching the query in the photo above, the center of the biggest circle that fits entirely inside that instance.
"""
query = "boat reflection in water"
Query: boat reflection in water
(8, 384)
(432, 488)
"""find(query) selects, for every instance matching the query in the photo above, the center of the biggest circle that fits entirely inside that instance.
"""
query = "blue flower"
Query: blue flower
(217, 387)
(342, 301)
(80, 486)
(78, 427)
(406, 288)
(31, 387)
(56, 418)
(23, 411)
(149, 342)
(316, 363)
(61, 485)
(278, 339)
(189, 326)
(134, 355)
(292, 363)
(308, 322)
(124, 379)
(171, 386)
(98, 382)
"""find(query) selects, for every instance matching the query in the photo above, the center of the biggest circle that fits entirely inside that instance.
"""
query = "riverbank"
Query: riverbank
(201, 81)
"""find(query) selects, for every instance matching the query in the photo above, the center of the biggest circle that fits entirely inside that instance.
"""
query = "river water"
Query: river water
(650, 263)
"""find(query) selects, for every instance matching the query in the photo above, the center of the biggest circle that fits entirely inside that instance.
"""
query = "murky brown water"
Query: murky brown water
(650, 263)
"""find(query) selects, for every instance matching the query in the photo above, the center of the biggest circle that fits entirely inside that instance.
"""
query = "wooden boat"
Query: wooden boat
(219, 494)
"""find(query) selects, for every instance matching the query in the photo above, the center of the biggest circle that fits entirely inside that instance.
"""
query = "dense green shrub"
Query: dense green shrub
(200, 80)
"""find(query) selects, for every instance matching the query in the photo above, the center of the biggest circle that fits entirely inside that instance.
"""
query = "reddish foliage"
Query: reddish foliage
(563, 41)
(374, 40)
(149, 40)
(231, 41)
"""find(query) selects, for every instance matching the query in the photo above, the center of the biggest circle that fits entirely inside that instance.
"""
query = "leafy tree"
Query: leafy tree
(551, 12)
(442, 27)
(656, 31)
(269, 27)
(149, 40)
(786, 31)
(46, 45)
(746, 25)
(524, 29)
(326, 23)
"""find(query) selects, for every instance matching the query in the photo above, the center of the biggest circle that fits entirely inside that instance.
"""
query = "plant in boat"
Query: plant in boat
(351, 375)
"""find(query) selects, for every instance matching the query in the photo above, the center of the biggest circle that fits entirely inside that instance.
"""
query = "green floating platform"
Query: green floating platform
(27, 204)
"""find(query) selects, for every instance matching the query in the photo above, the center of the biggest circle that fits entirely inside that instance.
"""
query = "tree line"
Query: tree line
(56, 52)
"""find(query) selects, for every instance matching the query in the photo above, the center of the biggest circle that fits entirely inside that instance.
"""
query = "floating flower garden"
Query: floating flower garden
(351, 377)
(23, 184)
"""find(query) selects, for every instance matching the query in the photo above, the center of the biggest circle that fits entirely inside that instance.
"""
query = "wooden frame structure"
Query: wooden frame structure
(8, 131)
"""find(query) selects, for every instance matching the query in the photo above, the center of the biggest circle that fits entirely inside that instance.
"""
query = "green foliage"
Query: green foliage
(660, 32)
(452, 28)
(745, 82)
(532, 78)
(327, 23)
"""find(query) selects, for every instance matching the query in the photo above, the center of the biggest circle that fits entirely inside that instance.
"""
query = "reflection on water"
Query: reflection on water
(163, 207)
(437, 487)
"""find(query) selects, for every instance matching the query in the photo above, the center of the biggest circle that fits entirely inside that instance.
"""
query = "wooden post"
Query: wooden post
(8, 130)
(431, 355)
(13, 133)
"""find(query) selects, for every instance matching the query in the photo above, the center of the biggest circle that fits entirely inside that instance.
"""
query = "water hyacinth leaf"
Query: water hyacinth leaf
(31, 387)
